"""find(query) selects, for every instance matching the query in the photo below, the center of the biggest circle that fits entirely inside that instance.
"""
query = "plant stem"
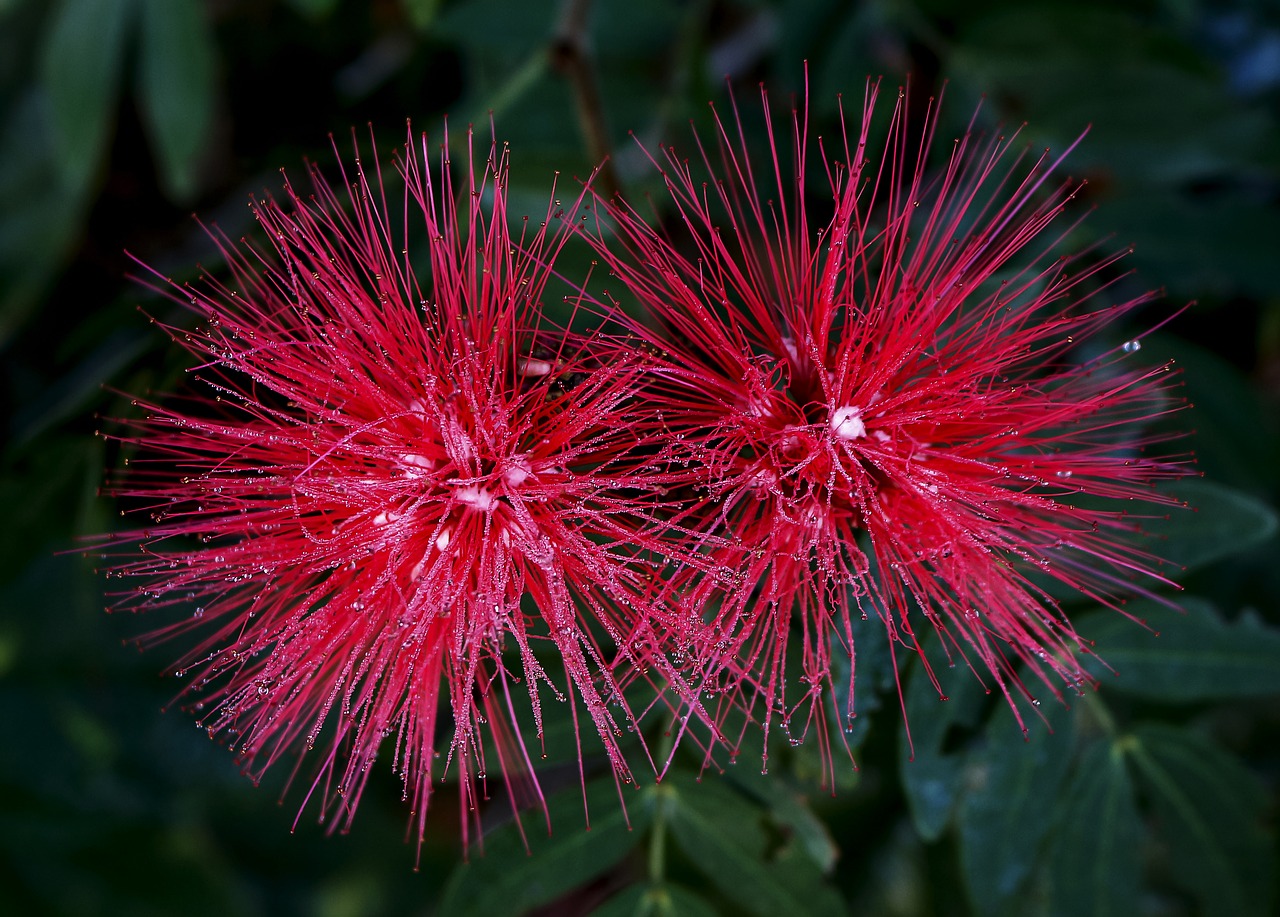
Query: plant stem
(571, 57)
(658, 836)
(1100, 713)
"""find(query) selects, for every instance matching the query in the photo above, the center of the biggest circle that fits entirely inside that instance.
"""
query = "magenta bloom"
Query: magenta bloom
(903, 409)
(388, 477)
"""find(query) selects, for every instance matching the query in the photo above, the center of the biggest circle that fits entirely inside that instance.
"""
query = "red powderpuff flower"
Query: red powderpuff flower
(394, 478)
(902, 409)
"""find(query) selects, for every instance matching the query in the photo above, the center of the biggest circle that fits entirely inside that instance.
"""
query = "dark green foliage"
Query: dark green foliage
(1013, 784)
(1153, 794)
(932, 769)
(1095, 864)
(1188, 655)
(524, 865)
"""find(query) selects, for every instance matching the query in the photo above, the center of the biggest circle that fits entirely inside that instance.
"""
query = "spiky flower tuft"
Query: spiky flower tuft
(904, 408)
(390, 484)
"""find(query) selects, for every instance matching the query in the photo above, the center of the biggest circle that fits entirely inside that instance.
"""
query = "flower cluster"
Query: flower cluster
(390, 486)
(406, 497)
(885, 412)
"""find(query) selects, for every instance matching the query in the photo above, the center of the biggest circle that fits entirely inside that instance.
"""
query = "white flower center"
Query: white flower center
(846, 423)
(475, 497)
(517, 473)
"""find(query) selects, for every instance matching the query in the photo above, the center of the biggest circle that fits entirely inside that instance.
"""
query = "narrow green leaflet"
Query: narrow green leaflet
(1214, 244)
(504, 880)
(314, 9)
(812, 765)
(789, 810)
(874, 674)
(1075, 64)
(41, 216)
(505, 31)
(655, 900)
(1235, 438)
(931, 772)
(723, 835)
(176, 88)
(422, 13)
(80, 68)
(1015, 782)
(1095, 865)
(1196, 656)
(1221, 521)
(1216, 522)
(1210, 809)
(76, 387)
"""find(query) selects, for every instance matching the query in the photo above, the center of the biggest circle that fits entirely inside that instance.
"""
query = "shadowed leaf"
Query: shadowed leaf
(724, 836)
(507, 880)
(1096, 862)
(80, 68)
(931, 773)
(1210, 811)
(658, 900)
(1006, 815)
(1196, 656)
(176, 88)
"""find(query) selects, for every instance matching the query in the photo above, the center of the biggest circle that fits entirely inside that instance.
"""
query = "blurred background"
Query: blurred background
(120, 118)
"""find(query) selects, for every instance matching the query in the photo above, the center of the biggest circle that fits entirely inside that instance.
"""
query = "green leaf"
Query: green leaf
(511, 30)
(930, 772)
(176, 88)
(724, 836)
(41, 216)
(1205, 523)
(874, 675)
(1075, 64)
(790, 811)
(1216, 522)
(69, 393)
(1196, 656)
(422, 13)
(1096, 864)
(656, 900)
(1222, 522)
(1235, 437)
(1006, 813)
(314, 9)
(507, 880)
(873, 671)
(1184, 198)
(80, 67)
(1199, 242)
(1210, 810)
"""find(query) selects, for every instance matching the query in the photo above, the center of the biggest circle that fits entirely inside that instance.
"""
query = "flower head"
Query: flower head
(901, 408)
(390, 478)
